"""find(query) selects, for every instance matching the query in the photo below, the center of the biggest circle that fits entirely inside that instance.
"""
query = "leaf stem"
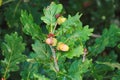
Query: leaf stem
(96, 35)
(8, 1)
(69, 39)
(17, 7)
(51, 28)
(54, 27)
(65, 75)
(84, 57)
(6, 70)
(55, 59)
(28, 75)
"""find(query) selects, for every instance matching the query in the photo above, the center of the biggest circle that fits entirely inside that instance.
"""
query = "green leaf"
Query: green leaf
(73, 31)
(116, 76)
(41, 51)
(81, 35)
(12, 50)
(112, 65)
(1, 2)
(28, 70)
(78, 68)
(110, 57)
(76, 52)
(50, 12)
(118, 45)
(30, 28)
(40, 77)
(73, 23)
(113, 33)
(85, 33)
(109, 38)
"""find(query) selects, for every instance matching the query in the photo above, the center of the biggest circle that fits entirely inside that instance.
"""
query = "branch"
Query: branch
(84, 55)
(54, 58)
(95, 35)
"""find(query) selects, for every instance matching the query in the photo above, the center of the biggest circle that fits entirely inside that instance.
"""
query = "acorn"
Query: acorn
(2, 78)
(61, 20)
(62, 47)
(51, 41)
(54, 42)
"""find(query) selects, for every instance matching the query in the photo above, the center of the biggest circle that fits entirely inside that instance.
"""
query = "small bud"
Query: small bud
(50, 35)
(84, 55)
(85, 50)
(57, 16)
(86, 4)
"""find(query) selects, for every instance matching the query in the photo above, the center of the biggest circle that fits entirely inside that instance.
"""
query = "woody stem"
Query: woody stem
(55, 60)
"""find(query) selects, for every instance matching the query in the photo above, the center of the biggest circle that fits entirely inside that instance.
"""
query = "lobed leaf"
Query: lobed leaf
(29, 69)
(73, 31)
(50, 12)
(30, 28)
(40, 77)
(40, 50)
(71, 24)
(112, 65)
(12, 50)
(78, 68)
(76, 52)
(109, 38)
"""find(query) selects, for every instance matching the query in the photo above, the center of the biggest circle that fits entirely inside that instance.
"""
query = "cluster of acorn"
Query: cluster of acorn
(51, 40)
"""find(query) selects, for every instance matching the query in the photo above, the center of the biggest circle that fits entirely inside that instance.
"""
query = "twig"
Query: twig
(95, 35)
(84, 55)
(54, 58)
(8, 1)
(16, 8)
